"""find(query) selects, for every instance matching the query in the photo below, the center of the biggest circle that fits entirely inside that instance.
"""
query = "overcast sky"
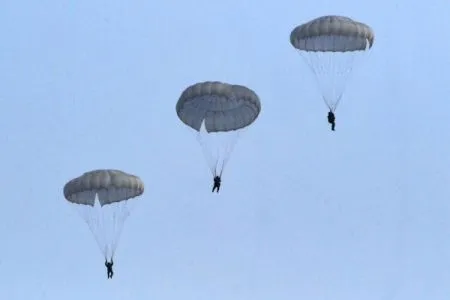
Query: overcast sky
(303, 213)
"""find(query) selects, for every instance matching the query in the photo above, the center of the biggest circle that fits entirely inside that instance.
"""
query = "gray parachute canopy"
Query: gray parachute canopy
(332, 34)
(109, 185)
(223, 107)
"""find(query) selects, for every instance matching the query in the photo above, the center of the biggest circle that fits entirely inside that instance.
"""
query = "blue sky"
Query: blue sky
(304, 213)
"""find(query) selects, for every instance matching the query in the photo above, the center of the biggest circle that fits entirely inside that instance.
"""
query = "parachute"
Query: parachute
(218, 112)
(104, 199)
(331, 45)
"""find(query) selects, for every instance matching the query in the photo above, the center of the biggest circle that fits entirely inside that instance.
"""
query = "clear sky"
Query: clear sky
(303, 213)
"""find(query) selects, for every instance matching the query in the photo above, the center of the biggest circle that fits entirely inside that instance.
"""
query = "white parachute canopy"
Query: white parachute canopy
(218, 112)
(331, 45)
(104, 199)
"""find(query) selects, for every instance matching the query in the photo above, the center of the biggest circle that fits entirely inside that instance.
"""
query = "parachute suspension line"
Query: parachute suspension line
(216, 163)
(215, 168)
(92, 221)
(212, 163)
(214, 160)
(331, 70)
(106, 223)
(217, 148)
(230, 148)
(119, 223)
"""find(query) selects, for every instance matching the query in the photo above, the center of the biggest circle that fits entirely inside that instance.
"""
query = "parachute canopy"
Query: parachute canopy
(332, 34)
(218, 112)
(221, 106)
(102, 198)
(331, 46)
(109, 185)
